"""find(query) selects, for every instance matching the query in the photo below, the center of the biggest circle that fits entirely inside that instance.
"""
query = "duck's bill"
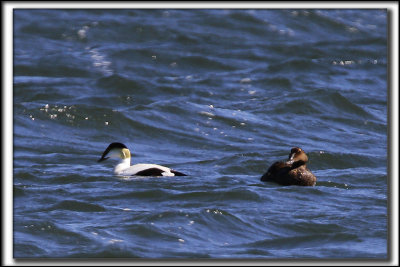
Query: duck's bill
(102, 159)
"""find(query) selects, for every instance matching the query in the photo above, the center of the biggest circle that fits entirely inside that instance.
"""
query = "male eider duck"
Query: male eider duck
(292, 172)
(120, 151)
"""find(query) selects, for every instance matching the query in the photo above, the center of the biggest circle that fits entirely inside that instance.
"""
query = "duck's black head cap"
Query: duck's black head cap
(116, 145)
(110, 147)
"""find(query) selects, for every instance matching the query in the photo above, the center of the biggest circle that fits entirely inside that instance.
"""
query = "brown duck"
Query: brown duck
(292, 172)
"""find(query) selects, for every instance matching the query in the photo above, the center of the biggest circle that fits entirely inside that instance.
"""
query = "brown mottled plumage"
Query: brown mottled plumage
(291, 172)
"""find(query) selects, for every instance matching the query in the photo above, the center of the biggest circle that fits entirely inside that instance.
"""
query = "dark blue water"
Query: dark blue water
(219, 95)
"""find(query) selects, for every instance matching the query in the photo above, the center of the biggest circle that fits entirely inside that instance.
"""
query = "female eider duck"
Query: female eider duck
(120, 151)
(292, 172)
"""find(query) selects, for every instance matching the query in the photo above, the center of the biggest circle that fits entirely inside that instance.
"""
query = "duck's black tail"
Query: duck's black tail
(178, 173)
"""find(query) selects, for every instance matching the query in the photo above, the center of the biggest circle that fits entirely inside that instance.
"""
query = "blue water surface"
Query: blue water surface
(219, 94)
